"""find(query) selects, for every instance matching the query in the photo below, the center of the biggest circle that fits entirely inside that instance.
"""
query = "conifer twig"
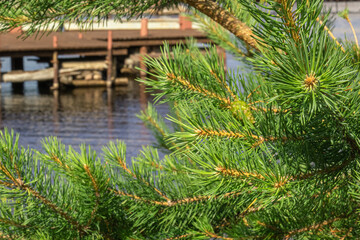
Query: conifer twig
(290, 20)
(315, 226)
(97, 194)
(12, 223)
(19, 184)
(171, 203)
(225, 19)
(215, 236)
(197, 89)
(330, 34)
(353, 30)
(223, 40)
(236, 173)
(123, 165)
(179, 237)
(224, 84)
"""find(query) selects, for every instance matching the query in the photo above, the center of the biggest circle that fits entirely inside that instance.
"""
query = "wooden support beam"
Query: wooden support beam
(222, 53)
(0, 74)
(55, 62)
(144, 30)
(143, 53)
(109, 59)
(184, 22)
(17, 64)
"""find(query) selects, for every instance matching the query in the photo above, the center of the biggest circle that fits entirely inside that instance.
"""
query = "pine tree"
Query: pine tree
(270, 152)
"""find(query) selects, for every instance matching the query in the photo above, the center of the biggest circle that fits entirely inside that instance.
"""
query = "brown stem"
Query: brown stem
(315, 226)
(179, 237)
(290, 20)
(215, 236)
(353, 30)
(224, 84)
(225, 19)
(219, 36)
(123, 165)
(185, 83)
(12, 223)
(171, 203)
(330, 34)
(97, 194)
(55, 208)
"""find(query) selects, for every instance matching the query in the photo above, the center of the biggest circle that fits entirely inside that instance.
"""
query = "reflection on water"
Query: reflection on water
(85, 115)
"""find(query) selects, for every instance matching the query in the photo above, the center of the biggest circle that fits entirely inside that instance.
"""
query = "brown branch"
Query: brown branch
(224, 84)
(222, 38)
(156, 126)
(58, 161)
(290, 21)
(159, 129)
(179, 237)
(55, 208)
(331, 34)
(222, 133)
(248, 96)
(171, 203)
(215, 236)
(123, 165)
(353, 30)
(97, 194)
(231, 134)
(18, 183)
(12, 223)
(194, 88)
(315, 226)
(236, 173)
(225, 19)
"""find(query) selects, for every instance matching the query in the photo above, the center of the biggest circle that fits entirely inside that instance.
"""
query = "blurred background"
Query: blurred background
(80, 85)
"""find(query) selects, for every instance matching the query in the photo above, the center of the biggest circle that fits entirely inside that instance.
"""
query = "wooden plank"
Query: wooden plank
(39, 75)
(102, 83)
(88, 65)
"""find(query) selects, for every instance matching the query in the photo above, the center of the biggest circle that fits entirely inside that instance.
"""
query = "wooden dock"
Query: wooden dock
(101, 56)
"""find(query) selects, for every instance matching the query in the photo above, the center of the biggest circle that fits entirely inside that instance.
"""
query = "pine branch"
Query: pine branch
(12, 223)
(215, 31)
(290, 20)
(172, 203)
(97, 194)
(223, 83)
(331, 34)
(316, 226)
(225, 19)
(112, 154)
(18, 184)
(186, 84)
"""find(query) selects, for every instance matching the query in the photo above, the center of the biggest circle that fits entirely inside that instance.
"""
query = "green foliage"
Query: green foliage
(269, 153)
(344, 14)
(51, 15)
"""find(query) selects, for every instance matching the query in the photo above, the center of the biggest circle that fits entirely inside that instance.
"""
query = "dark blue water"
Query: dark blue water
(92, 116)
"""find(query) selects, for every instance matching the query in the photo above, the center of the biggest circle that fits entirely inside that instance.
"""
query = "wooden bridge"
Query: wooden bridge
(102, 56)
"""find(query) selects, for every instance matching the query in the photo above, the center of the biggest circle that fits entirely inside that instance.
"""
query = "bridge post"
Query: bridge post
(222, 53)
(0, 74)
(17, 63)
(109, 59)
(185, 22)
(144, 32)
(55, 62)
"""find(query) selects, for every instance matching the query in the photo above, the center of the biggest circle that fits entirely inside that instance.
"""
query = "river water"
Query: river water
(92, 116)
